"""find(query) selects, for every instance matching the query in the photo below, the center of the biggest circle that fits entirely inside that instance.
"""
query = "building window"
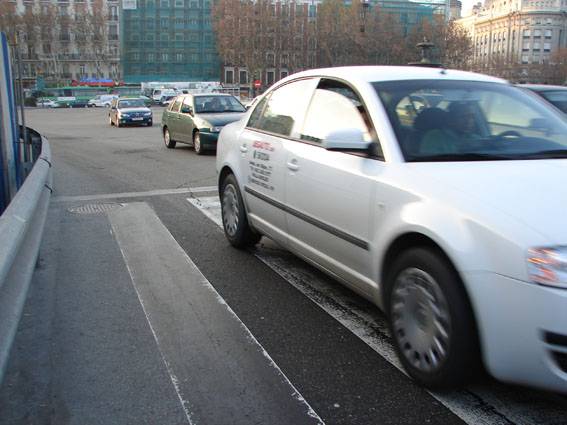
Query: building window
(229, 76)
(526, 33)
(164, 4)
(548, 33)
(179, 3)
(151, 57)
(283, 74)
(537, 33)
(179, 57)
(525, 59)
(537, 47)
(164, 57)
(164, 23)
(243, 77)
(547, 47)
(270, 76)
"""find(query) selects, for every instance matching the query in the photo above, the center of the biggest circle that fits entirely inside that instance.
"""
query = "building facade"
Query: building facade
(519, 31)
(64, 40)
(168, 40)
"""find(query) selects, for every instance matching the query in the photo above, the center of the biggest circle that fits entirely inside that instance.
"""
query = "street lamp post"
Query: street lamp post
(365, 5)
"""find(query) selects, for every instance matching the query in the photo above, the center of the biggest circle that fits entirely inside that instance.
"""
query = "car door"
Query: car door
(186, 123)
(330, 195)
(273, 120)
(172, 119)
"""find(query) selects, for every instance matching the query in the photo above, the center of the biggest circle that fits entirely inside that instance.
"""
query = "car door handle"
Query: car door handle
(293, 165)
(243, 148)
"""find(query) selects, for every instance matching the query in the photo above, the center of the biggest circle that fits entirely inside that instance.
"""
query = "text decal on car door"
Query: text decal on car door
(260, 169)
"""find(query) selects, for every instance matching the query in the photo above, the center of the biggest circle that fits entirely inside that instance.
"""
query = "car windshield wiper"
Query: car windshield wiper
(552, 153)
(448, 157)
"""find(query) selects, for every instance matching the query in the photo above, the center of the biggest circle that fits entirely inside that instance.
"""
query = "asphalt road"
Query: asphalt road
(140, 311)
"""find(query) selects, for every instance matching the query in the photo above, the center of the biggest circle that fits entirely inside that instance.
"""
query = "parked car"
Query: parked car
(45, 103)
(198, 119)
(556, 95)
(451, 221)
(102, 100)
(166, 100)
(129, 112)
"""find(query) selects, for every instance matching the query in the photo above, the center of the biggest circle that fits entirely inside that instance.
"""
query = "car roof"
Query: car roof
(210, 94)
(396, 73)
(542, 87)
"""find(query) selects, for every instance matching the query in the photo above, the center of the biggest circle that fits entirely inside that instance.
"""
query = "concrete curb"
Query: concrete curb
(21, 229)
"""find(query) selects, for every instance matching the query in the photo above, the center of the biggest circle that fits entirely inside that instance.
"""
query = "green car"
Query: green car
(197, 119)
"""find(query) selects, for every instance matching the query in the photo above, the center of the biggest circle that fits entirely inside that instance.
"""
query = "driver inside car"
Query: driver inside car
(461, 127)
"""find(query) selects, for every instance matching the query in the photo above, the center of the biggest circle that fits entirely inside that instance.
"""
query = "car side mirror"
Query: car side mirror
(347, 139)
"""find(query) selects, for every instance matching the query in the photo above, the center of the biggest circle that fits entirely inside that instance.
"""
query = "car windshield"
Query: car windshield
(556, 98)
(204, 104)
(471, 121)
(131, 103)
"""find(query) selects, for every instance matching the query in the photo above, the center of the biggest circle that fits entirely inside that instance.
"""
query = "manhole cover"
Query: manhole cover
(94, 208)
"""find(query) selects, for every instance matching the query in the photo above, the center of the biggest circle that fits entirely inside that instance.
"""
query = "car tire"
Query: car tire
(169, 143)
(234, 219)
(150, 123)
(431, 320)
(197, 143)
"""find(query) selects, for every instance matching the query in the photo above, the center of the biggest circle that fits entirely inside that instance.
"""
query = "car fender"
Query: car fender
(228, 152)
(468, 244)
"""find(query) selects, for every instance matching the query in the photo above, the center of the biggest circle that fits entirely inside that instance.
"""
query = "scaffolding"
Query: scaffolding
(168, 40)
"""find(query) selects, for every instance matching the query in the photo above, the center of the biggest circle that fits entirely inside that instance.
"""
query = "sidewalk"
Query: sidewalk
(84, 353)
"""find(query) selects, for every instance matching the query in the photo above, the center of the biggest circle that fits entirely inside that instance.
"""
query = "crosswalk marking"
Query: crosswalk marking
(220, 371)
(495, 404)
(125, 195)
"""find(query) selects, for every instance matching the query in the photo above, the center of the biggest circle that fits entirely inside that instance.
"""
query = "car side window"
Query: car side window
(256, 114)
(334, 107)
(283, 110)
(175, 105)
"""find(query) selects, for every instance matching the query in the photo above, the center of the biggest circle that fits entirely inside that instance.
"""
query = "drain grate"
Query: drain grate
(94, 208)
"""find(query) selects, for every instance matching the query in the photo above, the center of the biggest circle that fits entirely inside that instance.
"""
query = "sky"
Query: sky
(467, 6)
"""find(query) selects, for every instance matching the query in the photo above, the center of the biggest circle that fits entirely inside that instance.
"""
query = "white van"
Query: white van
(159, 94)
(102, 100)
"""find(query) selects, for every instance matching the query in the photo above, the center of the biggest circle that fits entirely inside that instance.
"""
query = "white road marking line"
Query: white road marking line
(156, 235)
(172, 377)
(158, 192)
(498, 404)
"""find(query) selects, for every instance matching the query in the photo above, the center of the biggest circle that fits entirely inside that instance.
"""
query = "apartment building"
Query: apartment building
(517, 31)
(63, 40)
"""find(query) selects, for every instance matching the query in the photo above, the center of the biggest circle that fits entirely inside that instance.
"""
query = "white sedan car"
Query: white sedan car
(439, 195)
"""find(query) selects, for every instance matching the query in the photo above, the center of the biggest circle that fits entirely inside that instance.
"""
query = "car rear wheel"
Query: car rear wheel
(234, 220)
(431, 320)
(169, 143)
(197, 143)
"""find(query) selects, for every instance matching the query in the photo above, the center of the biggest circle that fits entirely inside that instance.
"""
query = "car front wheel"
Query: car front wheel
(197, 143)
(170, 144)
(431, 320)
(234, 220)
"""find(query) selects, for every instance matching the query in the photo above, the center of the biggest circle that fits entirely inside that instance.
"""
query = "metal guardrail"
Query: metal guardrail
(21, 229)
